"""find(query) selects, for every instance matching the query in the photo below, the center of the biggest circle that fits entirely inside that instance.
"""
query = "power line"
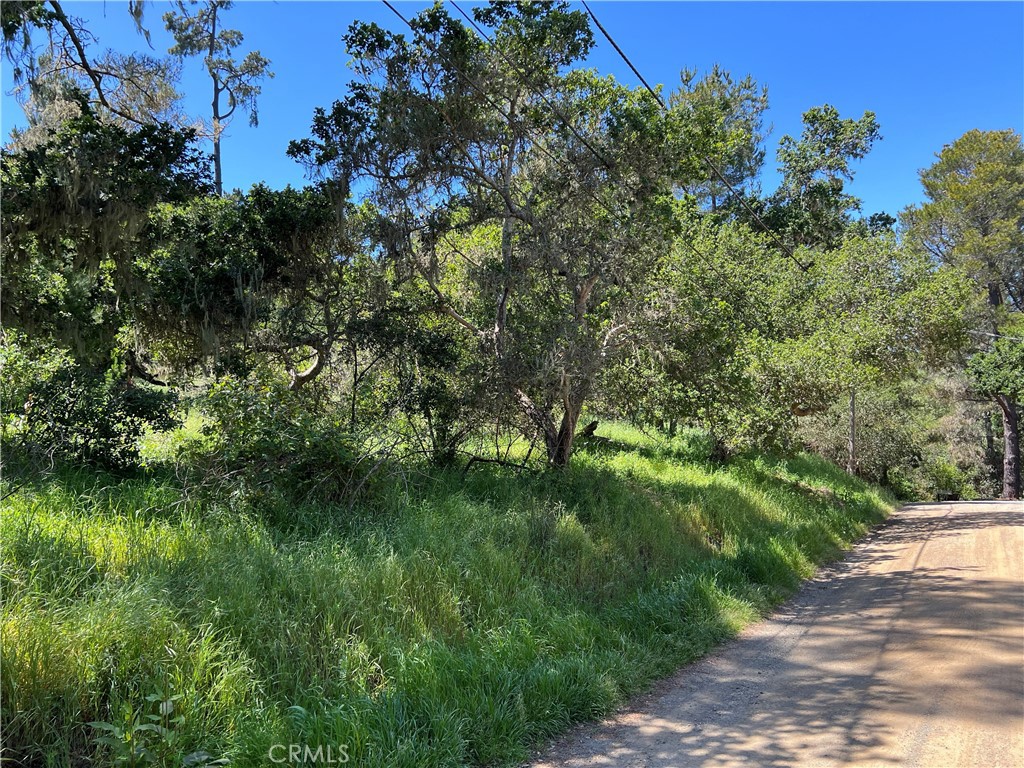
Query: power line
(469, 81)
(714, 169)
(523, 78)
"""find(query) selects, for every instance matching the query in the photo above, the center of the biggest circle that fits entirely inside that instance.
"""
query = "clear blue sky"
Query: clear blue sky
(930, 71)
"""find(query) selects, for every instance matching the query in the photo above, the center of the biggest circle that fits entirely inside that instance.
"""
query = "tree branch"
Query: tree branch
(299, 378)
(83, 60)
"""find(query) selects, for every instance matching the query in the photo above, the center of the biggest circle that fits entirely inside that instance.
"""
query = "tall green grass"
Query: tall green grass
(458, 621)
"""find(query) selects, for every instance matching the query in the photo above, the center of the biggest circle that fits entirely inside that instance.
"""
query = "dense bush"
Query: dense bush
(908, 438)
(265, 445)
(23, 365)
(70, 411)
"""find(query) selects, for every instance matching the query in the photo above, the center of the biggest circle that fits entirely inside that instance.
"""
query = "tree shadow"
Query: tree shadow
(690, 450)
(836, 676)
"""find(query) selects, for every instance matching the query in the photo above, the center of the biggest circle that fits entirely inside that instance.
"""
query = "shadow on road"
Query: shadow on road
(893, 635)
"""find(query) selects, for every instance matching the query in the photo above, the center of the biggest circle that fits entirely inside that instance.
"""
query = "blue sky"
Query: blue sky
(930, 71)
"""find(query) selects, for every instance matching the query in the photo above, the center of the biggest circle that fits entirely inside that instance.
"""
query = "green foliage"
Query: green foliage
(75, 210)
(23, 365)
(916, 437)
(691, 348)
(460, 623)
(944, 480)
(18, 19)
(267, 275)
(722, 120)
(63, 409)
(811, 206)
(890, 433)
(150, 739)
(199, 30)
(92, 178)
(267, 448)
(974, 212)
(204, 280)
(500, 247)
(76, 652)
(478, 235)
(974, 220)
(873, 313)
(877, 308)
(196, 32)
(1000, 369)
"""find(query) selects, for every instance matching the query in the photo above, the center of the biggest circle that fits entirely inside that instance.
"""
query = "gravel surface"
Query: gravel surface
(909, 652)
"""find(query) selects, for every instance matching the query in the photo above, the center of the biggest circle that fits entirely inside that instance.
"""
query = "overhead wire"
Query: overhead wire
(739, 297)
(710, 163)
(523, 77)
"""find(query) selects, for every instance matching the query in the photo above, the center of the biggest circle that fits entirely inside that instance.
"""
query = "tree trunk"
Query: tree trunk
(218, 181)
(557, 441)
(298, 378)
(355, 389)
(560, 451)
(851, 444)
(993, 461)
(1011, 434)
(1011, 447)
(541, 419)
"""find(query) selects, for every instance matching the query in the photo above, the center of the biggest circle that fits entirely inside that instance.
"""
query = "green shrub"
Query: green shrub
(23, 366)
(945, 480)
(267, 445)
(70, 411)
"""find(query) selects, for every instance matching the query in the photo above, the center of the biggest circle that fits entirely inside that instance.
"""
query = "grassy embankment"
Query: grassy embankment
(459, 622)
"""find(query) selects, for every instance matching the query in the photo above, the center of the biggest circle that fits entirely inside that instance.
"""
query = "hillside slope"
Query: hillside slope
(458, 620)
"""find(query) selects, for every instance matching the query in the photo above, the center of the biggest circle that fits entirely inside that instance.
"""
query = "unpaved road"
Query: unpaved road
(909, 652)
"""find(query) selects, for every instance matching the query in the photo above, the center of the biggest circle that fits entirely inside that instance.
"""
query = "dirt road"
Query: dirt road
(910, 652)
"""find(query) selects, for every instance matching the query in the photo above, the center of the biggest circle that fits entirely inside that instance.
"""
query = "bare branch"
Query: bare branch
(83, 60)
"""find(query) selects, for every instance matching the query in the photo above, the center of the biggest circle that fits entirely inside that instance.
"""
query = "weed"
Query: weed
(458, 621)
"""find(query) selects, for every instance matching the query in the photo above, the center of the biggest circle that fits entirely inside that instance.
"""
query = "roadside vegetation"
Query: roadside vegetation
(531, 395)
(453, 620)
